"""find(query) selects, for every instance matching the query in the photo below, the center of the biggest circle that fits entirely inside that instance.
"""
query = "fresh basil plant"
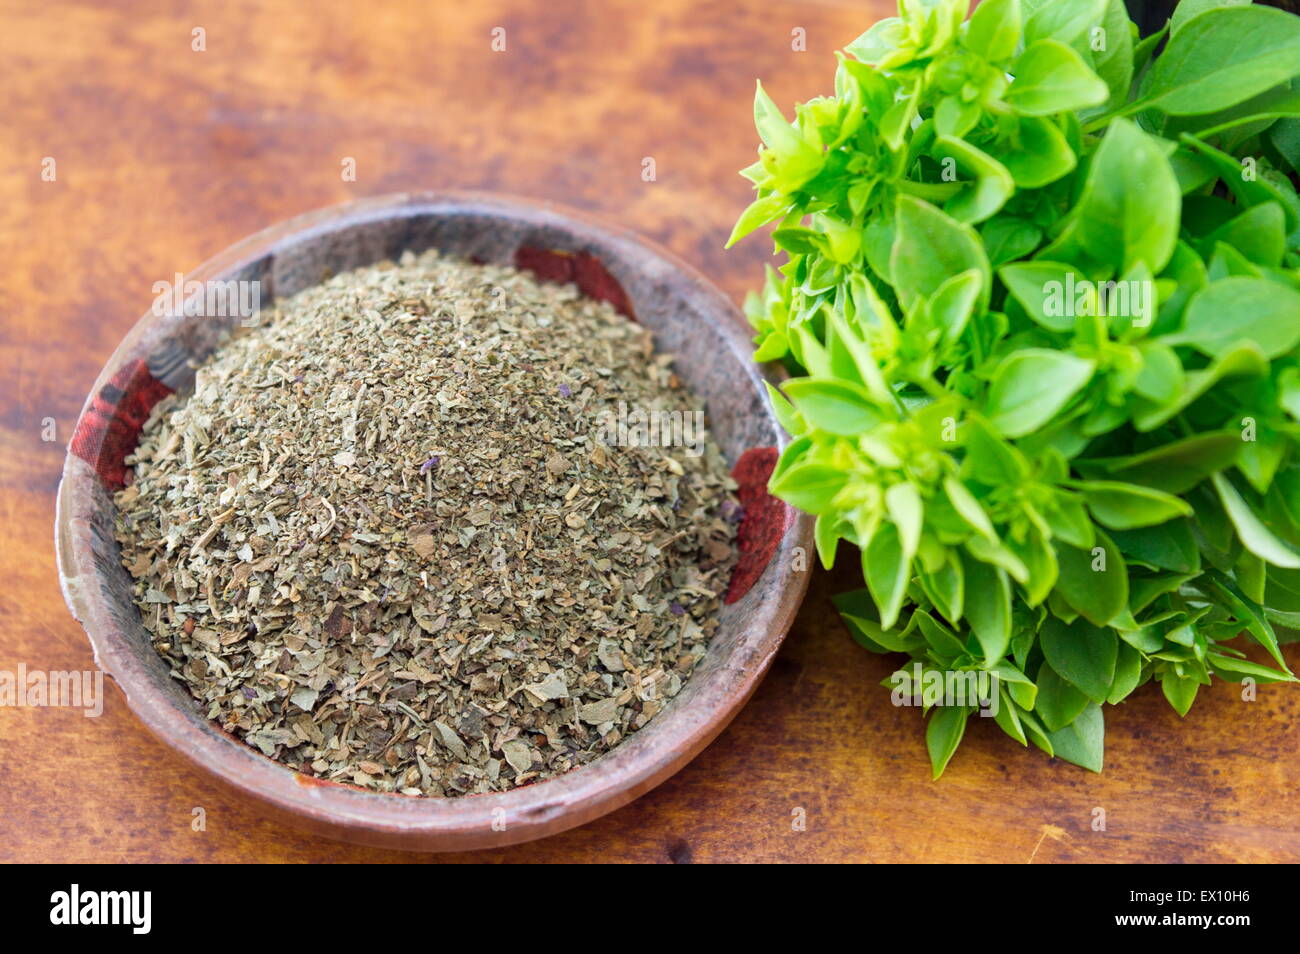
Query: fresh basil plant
(1040, 301)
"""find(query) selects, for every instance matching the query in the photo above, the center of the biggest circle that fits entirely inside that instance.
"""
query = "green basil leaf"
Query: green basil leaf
(1143, 51)
(1093, 582)
(956, 117)
(1235, 670)
(1248, 612)
(1254, 535)
(1128, 674)
(1280, 101)
(799, 450)
(1083, 741)
(1064, 22)
(1260, 458)
(1041, 288)
(1008, 673)
(1187, 9)
(907, 511)
(988, 608)
(1037, 155)
(1031, 385)
(1192, 170)
(771, 347)
(943, 734)
(1130, 207)
(1144, 640)
(952, 303)
(886, 572)
(939, 638)
(999, 555)
(1161, 378)
(1166, 546)
(1248, 190)
(1007, 238)
(992, 184)
(1081, 654)
(827, 532)
(1069, 521)
(1025, 694)
(1114, 62)
(1224, 56)
(1052, 78)
(1180, 691)
(994, 30)
(776, 133)
(929, 248)
(883, 39)
(1034, 730)
(1186, 268)
(1176, 467)
(836, 406)
(1243, 359)
(968, 507)
(1122, 506)
(786, 415)
(1236, 309)
(1259, 234)
(1007, 718)
(991, 460)
(1039, 559)
(759, 213)
(867, 632)
(946, 588)
(1058, 703)
(809, 486)
(1285, 137)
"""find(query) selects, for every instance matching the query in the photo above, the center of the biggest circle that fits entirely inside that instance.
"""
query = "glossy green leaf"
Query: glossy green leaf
(929, 248)
(1242, 309)
(839, 407)
(886, 572)
(1224, 56)
(1030, 386)
(943, 733)
(1050, 77)
(1175, 467)
(1122, 506)
(1128, 674)
(1130, 208)
(1036, 153)
(990, 185)
(1094, 582)
(809, 485)
(1058, 703)
(1082, 742)
(1166, 546)
(1082, 654)
(1179, 691)
(1064, 22)
(988, 608)
(1255, 536)
(994, 30)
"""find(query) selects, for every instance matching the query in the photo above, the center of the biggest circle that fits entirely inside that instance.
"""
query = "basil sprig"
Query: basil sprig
(1041, 305)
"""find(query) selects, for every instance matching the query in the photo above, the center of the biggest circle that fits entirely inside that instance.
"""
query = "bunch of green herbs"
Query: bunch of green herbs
(1041, 307)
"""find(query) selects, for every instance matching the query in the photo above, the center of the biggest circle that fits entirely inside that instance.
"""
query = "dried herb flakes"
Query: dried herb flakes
(382, 542)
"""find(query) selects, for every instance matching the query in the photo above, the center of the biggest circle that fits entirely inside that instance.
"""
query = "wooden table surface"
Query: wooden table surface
(165, 155)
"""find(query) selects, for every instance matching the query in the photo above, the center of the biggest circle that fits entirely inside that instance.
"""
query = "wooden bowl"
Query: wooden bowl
(690, 319)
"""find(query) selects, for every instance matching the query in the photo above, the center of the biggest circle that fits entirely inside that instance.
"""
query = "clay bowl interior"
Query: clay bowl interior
(690, 319)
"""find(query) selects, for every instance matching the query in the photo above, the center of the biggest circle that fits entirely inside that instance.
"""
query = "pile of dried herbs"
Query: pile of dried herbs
(383, 542)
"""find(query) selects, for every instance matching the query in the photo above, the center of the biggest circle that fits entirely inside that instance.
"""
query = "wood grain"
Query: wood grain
(166, 155)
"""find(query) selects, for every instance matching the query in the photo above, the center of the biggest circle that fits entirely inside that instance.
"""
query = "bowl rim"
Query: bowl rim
(422, 823)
